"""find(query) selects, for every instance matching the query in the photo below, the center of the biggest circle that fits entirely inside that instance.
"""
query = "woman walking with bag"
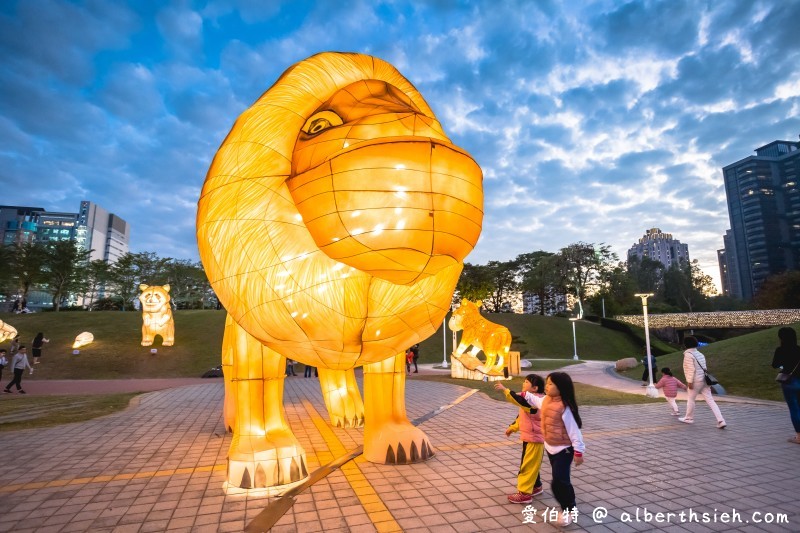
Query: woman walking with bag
(695, 370)
(787, 358)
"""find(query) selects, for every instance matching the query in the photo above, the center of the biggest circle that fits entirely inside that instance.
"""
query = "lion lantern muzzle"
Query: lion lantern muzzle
(385, 192)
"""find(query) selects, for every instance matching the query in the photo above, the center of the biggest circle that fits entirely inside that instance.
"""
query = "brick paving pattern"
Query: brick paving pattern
(160, 466)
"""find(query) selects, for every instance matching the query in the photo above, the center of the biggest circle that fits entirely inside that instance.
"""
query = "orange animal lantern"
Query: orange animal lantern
(480, 334)
(156, 315)
(332, 225)
(7, 331)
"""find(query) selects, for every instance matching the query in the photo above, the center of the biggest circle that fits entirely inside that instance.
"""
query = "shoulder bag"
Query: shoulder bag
(709, 379)
(784, 377)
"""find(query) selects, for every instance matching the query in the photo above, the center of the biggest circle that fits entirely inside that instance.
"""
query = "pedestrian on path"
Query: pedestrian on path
(646, 372)
(787, 358)
(38, 342)
(307, 372)
(670, 384)
(14, 347)
(409, 360)
(563, 440)
(3, 362)
(415, 357)
(529, 425)
(290, 367)
(18, 365)
(695, 370)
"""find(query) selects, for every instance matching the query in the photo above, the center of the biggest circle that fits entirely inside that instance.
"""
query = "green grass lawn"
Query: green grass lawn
(116, 352)
(742, 364)
(546, 336)
(27, 412)
(585, 394)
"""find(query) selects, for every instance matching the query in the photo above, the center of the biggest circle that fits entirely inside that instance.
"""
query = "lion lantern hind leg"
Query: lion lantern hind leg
(389, 437)
(264, 452)
(342, 398)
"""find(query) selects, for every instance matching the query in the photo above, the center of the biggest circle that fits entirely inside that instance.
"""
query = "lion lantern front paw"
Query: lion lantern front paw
(396, 443)
(268, 461)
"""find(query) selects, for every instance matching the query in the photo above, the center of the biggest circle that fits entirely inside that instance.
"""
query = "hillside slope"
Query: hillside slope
(742, 364)
(116, 352)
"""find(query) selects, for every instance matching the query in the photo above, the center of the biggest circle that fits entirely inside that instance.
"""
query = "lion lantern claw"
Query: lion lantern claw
(333, 225)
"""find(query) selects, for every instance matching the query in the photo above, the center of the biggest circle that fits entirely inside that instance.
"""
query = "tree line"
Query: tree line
(63, 270)
(596, 279)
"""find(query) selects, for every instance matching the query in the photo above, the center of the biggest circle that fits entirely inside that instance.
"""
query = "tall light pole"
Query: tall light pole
(651, 392)
(574, 339)
(444, 340)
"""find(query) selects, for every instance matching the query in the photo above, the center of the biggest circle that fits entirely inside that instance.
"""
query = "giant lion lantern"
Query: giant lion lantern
(332, 225)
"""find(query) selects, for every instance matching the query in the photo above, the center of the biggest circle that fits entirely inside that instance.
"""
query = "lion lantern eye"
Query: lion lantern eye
(321, 121)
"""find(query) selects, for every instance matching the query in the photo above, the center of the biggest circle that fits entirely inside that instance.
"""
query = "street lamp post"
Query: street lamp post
(444, 340)
(574, 339)
(651, 392)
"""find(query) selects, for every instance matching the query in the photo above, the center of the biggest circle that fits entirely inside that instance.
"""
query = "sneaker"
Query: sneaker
(520, 497)
(22, 391)
(7, 391)
(721, 424)
(686, 420)
(644, 384)
(676, 413)
(537, 491)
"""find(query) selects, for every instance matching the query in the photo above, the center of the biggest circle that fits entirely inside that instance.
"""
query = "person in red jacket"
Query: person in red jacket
(670, 384)
(528, 423)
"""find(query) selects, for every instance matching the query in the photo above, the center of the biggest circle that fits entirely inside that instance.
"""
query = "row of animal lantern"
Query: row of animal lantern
(157, 319)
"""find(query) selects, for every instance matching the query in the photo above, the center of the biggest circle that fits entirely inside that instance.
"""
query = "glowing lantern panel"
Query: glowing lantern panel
(82, 340)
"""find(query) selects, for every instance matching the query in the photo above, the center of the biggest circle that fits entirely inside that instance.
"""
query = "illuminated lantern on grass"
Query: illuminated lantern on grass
(82, 340)
(156, 315)
(332, 225)
(479, 334)
(7, 331)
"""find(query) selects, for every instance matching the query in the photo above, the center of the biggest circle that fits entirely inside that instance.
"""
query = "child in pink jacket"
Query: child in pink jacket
(670, 384)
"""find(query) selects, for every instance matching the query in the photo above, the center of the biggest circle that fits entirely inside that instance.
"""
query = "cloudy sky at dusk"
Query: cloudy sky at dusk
(592, 121)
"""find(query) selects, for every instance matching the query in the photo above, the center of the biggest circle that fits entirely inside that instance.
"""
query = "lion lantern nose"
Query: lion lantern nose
(400, 208)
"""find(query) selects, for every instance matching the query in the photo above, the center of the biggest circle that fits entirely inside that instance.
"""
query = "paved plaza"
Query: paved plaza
(160, 466)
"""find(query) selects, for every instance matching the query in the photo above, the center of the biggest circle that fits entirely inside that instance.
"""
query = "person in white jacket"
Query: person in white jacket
(18, 364)
(695, 368)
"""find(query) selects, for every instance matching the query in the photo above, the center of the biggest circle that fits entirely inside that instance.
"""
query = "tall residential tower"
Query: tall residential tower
(660, 247)
(764, 210)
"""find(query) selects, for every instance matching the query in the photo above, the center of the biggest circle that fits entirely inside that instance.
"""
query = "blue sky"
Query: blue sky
(592, 121)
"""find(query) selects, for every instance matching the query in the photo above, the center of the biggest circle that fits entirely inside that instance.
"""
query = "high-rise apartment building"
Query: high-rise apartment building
(728, 269)
(764, 210)
(93, 228)
(104, 233)
(660, 247)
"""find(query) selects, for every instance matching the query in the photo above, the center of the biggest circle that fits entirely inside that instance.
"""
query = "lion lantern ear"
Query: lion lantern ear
(478, 303)
(464, 301)
(143, 287)
(165, 287)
